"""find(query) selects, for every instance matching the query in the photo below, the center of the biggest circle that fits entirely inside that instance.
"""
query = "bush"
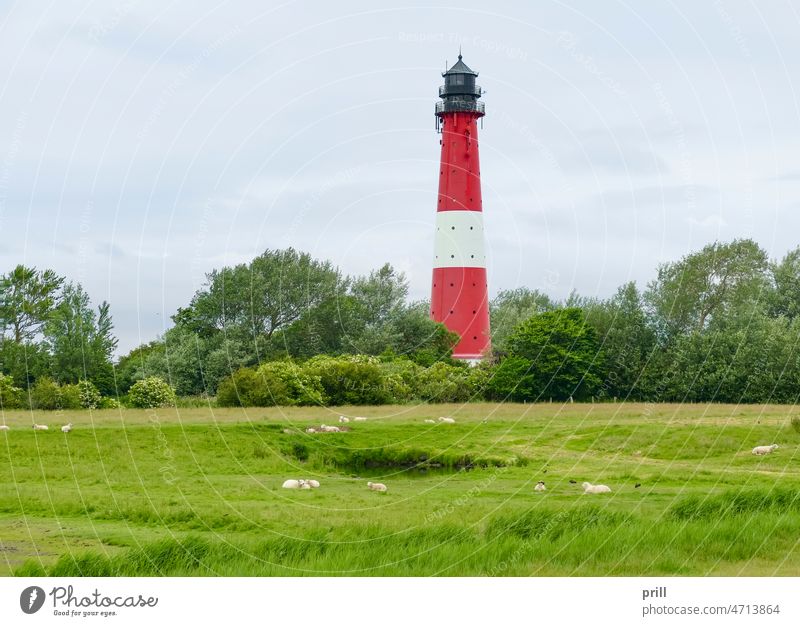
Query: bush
(89, 395)
(70, 397)
(796, 424)
(354, 379)
(151, 393)
(10, 396)
(277, 383)
(445, 383)
(46, 395)
(108, 403)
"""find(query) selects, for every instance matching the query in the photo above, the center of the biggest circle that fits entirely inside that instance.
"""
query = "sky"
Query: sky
(143, 144)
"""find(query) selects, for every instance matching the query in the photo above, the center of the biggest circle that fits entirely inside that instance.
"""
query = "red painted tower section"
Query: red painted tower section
(459, 295)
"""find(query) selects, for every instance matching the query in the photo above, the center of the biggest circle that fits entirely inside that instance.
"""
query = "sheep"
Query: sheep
(293, 484)
(330, 429)
(540, 486)
(343, 419)
(40, 427)
(430, 421)
(4, 427)
(304, 484)
(761, 450)
(311, 429)
(314, 484)
(377, 487)
(359, 419)
(67, 428)
(447, 420)
(590, 488)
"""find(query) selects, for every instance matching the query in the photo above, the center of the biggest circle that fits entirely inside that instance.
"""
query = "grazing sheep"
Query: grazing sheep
(40, 427)
(359, 419)
(590, 488)
(4, 427)
(67, 428)
(430, 421)
(311, 429)
(761, 450)
(304, 484)
(377, 486)
(293, 484)
(343, 419)
(447, 420)
(540, 486)
(313, 484)
(330, 429)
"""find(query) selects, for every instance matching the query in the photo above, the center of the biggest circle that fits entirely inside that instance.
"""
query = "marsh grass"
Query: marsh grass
(194, 492)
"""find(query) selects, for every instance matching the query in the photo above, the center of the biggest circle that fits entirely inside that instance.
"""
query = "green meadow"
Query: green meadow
(197, 492)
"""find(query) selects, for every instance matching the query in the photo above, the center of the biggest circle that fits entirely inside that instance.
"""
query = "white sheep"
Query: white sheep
(40, 427)
(311, 429)
(66, 428)
(359, 419)
(540, 486)
(343, 419)
(377, 486)
(293, 484)
(761, 450)
(590, 488)
(430, 421)
(304, 484)
(4, 427)
(313, 484)
(447, 420)
(329, 429)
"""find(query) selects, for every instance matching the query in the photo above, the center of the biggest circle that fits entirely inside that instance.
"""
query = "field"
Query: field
(198, 492)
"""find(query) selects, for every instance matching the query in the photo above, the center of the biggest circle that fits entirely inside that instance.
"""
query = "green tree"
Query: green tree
(785, 298)
(555, 354)
(510, 308)
(715, 281)
(27, 298)
(81, 341)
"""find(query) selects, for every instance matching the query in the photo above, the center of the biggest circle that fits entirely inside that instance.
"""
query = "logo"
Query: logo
(31, 599)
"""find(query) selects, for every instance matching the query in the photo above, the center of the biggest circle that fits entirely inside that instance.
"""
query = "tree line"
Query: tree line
(720, 324)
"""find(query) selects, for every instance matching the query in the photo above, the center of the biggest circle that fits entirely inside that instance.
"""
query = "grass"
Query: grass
(196, 491)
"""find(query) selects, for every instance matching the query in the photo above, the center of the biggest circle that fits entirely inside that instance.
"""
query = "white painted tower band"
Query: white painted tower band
(459, 240)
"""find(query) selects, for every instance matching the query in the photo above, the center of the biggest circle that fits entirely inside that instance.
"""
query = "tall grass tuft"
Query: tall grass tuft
(736, 503)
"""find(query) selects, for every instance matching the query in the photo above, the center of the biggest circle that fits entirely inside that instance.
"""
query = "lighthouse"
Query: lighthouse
(459, 292)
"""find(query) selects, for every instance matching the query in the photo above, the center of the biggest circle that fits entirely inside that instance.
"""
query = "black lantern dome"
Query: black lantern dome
(459, 92)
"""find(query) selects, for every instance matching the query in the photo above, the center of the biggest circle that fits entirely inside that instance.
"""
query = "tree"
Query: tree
(554, 354)
(510, 308)
(80, 340)
(786, 279)
(261, 298)
(627, 340)
(27, 298)
(722, 277)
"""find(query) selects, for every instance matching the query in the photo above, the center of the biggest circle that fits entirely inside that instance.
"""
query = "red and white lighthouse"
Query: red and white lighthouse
(459, 296)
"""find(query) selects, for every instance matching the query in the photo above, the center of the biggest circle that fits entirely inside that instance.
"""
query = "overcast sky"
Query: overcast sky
(145, 143)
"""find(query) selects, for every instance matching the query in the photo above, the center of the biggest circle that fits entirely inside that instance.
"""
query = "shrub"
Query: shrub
(10, 396)
(107, 402)
(445, 383)
(70, 397)
(89, 395)
(354, 379)
(151, 393)
(796, 424)
(277, 383)
(46, 395)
